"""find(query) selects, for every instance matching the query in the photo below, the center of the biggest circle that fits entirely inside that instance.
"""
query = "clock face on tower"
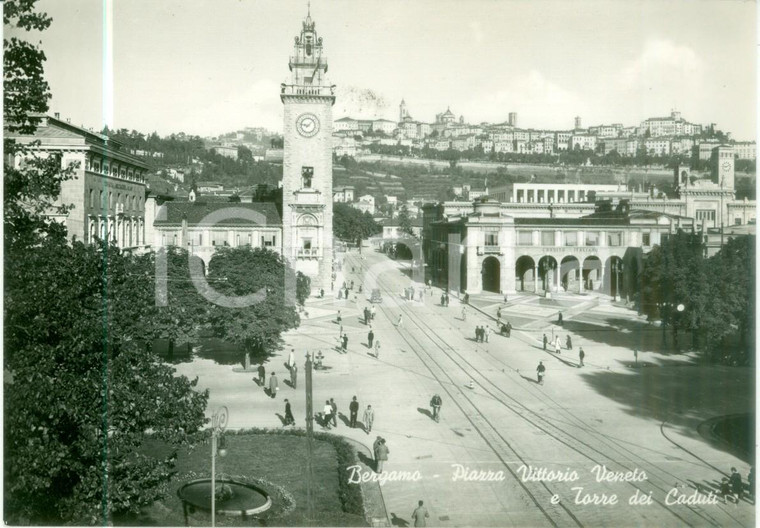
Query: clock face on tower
(726, 166)
(307, 125)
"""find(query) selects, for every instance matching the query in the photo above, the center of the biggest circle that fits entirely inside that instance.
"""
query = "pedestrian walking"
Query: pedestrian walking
(368, 419)
(273, 385)
(321, 293)
(509, 329)
(546, 340)
(636, 356)
(569, 342)
(505, 299)
(419, 515)
(339, 318)
(327, 414)
(464, 313)
(736, 485)
(382, 455)
(487, 332)
(498, 313)
(292, 358)
(366, 315)
(400, 321)
(559, 319)
(370, 338)
(340, 294)
(581, 355)
(557, 346)
(377, 349)
(294, 376)
(353, 408)
(435, 403)
(477, 334)
(540, 369)
(443, 300)
(262, 375)
(345, 342)
(372, 312)
(334, 415)
(289, 420)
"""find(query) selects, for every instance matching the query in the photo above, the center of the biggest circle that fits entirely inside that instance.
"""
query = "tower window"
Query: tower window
(307, 173)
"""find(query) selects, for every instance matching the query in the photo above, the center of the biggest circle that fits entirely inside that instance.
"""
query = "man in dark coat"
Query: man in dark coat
(353, 407)
(546, 340)
(370, 337)
(736, 484)
(289, 420)
(569, 342)
(262, 375)
(345, 342)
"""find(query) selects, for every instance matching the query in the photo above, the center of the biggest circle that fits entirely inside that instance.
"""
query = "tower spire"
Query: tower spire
(308, 8)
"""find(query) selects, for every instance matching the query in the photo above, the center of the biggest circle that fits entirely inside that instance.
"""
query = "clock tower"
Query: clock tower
(307, 198)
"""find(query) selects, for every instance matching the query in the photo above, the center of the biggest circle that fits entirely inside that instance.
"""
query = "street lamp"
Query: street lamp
(618, 268)
(218, 425)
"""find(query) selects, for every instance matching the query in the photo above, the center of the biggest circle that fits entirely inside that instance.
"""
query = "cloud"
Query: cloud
(661, 61)
(538, 101)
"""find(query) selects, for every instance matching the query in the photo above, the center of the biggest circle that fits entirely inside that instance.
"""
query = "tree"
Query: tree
(303, 287)
(80, 392)
(350, 224)
(33, 188)
(404, 221)
(257, 326)
(84, 392)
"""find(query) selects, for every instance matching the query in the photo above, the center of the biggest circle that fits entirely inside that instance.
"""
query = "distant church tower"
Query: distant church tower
(402, 112)
(307, 198)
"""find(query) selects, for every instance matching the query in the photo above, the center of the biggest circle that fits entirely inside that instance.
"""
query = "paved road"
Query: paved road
(496, 419)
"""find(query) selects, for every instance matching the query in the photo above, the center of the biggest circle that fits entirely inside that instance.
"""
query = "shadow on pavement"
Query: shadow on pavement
(681, 392)
(364, 459)
(620, 332)
(526, 378)
(425, 412)
(398, 521)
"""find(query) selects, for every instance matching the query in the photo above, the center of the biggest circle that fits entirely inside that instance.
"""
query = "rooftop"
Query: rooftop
(227, 213)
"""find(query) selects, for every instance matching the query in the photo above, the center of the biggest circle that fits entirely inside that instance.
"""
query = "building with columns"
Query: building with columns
(307, 197)
(107, 190)
(547, 243)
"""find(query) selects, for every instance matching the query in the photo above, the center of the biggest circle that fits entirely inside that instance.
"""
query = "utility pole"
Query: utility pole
(309, 441)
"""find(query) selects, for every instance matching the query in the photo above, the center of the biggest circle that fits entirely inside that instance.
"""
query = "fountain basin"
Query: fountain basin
(244, 499)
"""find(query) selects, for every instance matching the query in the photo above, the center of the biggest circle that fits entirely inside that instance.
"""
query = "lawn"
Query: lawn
(280, 461)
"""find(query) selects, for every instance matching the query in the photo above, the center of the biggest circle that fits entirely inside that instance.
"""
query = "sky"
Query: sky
(206, 67)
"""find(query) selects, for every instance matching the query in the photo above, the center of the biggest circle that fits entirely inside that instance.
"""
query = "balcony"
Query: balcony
(308, 253)
(119, 209)
(307, 89)
(490, 250)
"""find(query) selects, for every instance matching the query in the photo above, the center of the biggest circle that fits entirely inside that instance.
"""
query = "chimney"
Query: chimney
(68, 120)
(57, 115)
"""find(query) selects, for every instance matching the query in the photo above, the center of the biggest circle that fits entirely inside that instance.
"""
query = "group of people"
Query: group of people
(369, 314)
(330, 415)
(444, 299)
(557, 343)
(733, 488)
(482, 334)
(373, 343)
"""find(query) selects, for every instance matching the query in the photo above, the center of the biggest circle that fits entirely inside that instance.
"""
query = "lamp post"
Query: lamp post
(218, 425)
(618, 268)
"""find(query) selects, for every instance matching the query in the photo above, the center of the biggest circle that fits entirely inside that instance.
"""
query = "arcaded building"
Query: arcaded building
(544, 242)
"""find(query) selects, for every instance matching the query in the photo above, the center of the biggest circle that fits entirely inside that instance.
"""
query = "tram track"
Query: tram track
(497, 442)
